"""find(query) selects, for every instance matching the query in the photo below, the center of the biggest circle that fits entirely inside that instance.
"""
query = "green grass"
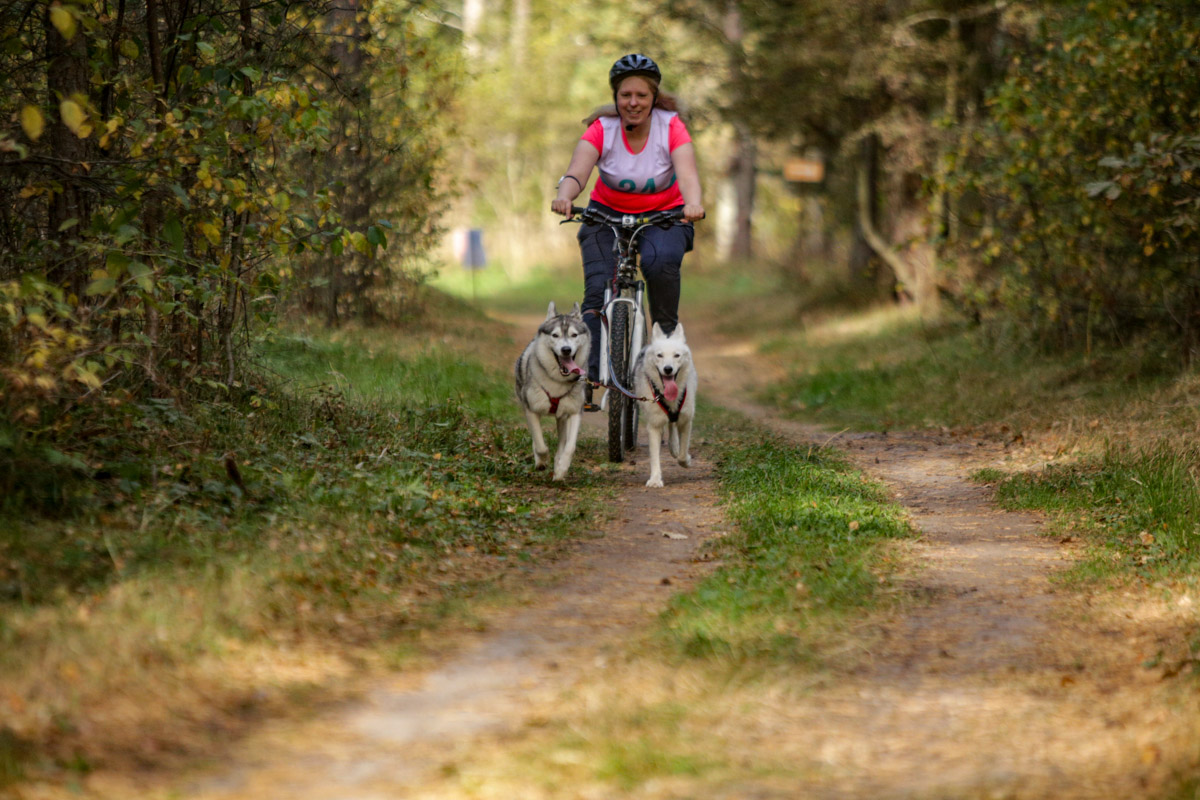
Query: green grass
(895, 371)
(806, 554)
(1137, 508)
(495, 292)
(362, 366)
(369, 485)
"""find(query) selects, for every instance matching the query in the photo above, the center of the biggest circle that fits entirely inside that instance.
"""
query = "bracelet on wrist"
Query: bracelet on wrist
(572, 177)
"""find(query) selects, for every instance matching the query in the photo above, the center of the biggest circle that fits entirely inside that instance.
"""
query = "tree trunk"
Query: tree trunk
(152, 204)
(472, 20)
(67, 80)
(812, 234)
(351, 276)
(520, 33)
(868, 203)
(742, 170)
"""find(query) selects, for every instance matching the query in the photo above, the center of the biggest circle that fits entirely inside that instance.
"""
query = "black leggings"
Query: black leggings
(661, 251)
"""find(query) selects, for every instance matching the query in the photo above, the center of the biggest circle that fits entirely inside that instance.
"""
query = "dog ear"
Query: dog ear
(656, 333)
(551, 312)
(575, 312)
(678, 333)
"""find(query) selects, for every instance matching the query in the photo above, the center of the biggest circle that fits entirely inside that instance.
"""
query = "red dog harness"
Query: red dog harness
(672, 416)
(554, 400)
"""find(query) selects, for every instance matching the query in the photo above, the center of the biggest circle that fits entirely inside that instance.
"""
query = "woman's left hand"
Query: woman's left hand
(693, 212)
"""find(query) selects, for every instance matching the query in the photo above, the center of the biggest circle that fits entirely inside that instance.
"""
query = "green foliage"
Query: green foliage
(1137, 507)
(806, 551)
(173, 180)
(1088, 167)
(416, 467)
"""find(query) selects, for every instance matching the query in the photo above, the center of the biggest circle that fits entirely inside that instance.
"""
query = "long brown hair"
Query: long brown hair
(664, 100)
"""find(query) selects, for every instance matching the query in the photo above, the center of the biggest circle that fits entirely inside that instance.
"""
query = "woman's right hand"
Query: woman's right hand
(560, 206)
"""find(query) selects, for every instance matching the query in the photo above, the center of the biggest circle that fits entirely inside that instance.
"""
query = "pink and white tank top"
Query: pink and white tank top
(642, 181)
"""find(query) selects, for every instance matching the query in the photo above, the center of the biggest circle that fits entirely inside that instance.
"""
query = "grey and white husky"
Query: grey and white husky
(665, 382)
(550, 382)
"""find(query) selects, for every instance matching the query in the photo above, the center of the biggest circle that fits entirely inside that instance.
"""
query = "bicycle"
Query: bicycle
(624, 320)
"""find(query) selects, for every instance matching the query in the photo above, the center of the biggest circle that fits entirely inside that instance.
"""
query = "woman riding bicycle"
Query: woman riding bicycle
(647, 163)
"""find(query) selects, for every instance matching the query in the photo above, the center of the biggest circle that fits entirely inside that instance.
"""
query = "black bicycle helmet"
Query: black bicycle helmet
(633, 64)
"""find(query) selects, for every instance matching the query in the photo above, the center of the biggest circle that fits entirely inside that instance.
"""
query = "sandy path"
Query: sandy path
(986, 687)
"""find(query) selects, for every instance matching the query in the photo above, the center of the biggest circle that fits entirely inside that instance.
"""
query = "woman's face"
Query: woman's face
(635, 99)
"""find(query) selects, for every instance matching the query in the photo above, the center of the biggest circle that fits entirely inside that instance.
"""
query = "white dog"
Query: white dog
(550, 382)
(665, 380)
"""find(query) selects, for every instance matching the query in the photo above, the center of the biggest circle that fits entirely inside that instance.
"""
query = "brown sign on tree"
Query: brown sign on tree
(804, 170)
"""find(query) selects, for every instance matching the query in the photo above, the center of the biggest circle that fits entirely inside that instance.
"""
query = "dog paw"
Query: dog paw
(686, 461)
(655, 482)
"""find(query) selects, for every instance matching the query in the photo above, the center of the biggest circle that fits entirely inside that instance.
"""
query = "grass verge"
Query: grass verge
(208, 563)
(888, 368)
(807, 555)
(1137, 509)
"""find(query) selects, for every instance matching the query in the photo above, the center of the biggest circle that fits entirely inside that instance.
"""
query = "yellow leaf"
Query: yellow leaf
(32, 122)
(62, 19)
(1148, 249)
(88, 378)
(211, 233)
(75, 118)
(359, 242)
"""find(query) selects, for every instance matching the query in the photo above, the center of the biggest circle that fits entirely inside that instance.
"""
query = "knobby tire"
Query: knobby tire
(618, 406)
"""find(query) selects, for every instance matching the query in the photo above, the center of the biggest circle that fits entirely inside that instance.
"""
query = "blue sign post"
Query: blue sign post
(474, 258)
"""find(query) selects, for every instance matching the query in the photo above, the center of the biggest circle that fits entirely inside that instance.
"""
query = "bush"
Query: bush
(1089, 174)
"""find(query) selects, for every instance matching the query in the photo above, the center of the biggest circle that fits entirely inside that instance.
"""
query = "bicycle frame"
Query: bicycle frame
(626, 230)
(624, 321)
(625, 247)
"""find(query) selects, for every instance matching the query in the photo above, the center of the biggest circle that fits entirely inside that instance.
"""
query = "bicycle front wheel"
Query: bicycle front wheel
(629, 428)
(618, 404)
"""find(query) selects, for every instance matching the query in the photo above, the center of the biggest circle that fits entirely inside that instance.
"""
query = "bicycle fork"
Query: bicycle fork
(639, 332)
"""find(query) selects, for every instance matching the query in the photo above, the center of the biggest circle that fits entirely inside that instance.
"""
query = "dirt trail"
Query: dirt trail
(988, 687)
(997, 686)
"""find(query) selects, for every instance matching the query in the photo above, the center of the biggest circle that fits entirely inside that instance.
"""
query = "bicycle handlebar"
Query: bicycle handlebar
(598, 216)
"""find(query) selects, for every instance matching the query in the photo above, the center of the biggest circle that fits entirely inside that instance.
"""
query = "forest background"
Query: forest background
(177, 174)
(182, 180)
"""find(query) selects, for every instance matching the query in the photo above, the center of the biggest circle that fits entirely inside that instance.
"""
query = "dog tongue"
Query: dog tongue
(571, 367)
(670, 389)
